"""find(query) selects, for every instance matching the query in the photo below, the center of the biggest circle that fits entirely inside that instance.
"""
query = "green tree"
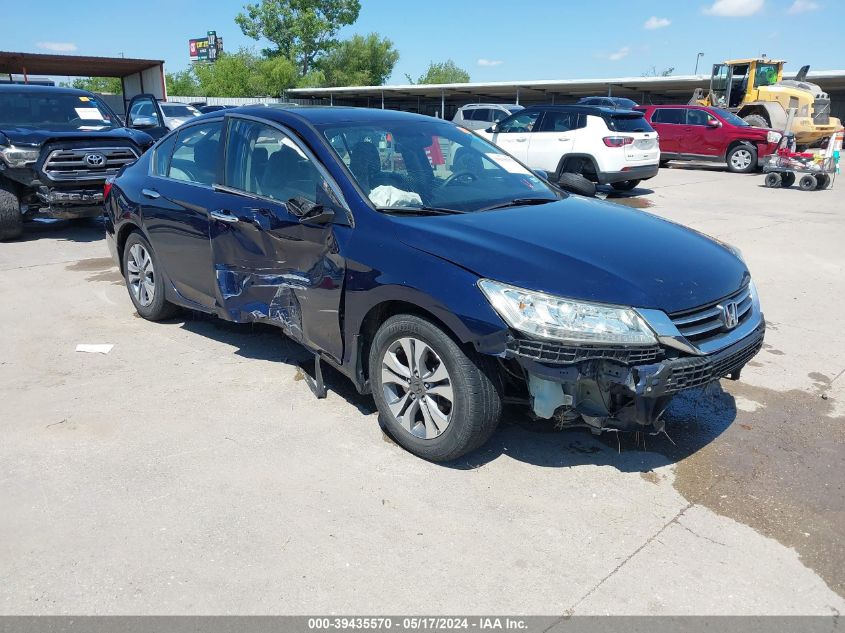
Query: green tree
(245, 74)
(106, 85)
(182, 83)
(447, 72)
(301, 30)
(359, 61)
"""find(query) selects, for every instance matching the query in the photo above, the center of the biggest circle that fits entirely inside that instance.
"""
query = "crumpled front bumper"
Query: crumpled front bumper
(621, 388)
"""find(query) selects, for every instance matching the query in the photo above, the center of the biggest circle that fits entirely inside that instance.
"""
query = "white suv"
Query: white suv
(478, 116)
(581, 146)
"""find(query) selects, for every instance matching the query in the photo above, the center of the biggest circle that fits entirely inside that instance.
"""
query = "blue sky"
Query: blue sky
(495, 40)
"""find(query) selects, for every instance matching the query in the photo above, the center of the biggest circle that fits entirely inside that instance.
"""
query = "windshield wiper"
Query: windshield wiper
(519, 202)
(423, 210)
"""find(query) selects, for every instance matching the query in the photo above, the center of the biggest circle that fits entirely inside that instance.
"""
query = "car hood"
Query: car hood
(584, 249)
(39, 136)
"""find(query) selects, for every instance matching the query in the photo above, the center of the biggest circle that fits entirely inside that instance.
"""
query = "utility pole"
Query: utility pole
(697, 57)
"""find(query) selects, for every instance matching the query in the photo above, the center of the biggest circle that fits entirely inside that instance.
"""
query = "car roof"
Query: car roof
(43, 89)
(492, 105)
(673, 106)
(585, 109)
(320, 115)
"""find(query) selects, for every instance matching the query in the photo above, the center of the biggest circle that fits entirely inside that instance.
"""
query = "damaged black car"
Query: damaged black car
(432, 269)
(57, 148)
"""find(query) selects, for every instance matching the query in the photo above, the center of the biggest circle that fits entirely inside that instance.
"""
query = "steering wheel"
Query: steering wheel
(466, 175)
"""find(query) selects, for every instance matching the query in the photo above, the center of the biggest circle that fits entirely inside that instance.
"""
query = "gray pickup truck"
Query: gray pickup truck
(57, 148)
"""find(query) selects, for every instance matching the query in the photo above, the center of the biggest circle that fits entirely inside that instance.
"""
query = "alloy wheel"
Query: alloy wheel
(141, 274)
(741, 159)
(417, 387)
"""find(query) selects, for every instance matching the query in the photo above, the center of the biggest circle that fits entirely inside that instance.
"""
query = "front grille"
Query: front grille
(71, 164)
(821, 111)
(707, 323)
(698, 371)
(559, 354)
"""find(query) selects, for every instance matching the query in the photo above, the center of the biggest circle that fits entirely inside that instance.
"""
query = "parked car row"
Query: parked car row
(614, 141)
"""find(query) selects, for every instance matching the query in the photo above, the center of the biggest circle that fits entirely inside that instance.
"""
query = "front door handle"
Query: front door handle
(151, 193)
(224, 216)
(520, 140)
(563, 138)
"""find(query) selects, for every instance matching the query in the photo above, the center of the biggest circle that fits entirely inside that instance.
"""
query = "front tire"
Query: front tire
(11, 220)
(576, 183)
(788, 179)
(756, 120)
(143, 279)
(742, 159)
(437, 400)
(625, 185)
(773, 180)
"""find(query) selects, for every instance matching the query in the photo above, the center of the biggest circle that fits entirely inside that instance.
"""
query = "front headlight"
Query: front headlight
(773, 137)
(17, 157)
(562, 319)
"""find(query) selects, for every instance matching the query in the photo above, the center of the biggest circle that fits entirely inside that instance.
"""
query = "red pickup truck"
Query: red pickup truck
(692, 132)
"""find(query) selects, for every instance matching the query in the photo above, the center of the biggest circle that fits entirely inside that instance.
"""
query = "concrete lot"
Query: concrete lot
(191, 470)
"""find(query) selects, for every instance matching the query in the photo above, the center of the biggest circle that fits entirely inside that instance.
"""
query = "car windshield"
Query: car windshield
(434, 165)
(628, 123)
(730, 117)
(54, 111)
(179, 110)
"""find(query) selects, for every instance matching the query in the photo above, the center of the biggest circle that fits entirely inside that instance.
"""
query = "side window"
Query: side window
(697, 117)
(468, 115)
(559, 122)
(498, 115)
(674, 116)
(141, 108)
(263, 160)
(195, 154)
(161, 156)
(521, 122)
(482, 114)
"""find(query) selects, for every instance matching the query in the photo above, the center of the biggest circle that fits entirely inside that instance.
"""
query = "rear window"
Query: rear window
(628, 123)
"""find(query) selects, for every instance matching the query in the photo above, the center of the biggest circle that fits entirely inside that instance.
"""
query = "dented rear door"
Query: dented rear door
(268, 264)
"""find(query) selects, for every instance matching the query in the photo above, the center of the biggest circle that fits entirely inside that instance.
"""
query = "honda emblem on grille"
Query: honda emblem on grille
(729, 317)
(95, 160)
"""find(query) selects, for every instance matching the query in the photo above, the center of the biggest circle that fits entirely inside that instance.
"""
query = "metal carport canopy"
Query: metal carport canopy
(507, 90)
(137, 75)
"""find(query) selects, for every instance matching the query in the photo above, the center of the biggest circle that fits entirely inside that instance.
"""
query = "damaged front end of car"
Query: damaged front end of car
(617, 368)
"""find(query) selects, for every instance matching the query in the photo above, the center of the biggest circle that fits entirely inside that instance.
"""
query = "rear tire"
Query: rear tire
(787, 179)
(625, 185)
(773, 180)
(807, 183)
(756, 120)
(11, 219)
(576, 183)
(142, 272)
(663, 163)
(822, 181)
(436, 399)
(742, 159)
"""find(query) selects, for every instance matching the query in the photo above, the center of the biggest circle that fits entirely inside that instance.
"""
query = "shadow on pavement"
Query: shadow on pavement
(85, 230)
(693, 420)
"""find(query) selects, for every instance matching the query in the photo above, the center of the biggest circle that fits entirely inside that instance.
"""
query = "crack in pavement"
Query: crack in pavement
(675, 519)
(66, 261)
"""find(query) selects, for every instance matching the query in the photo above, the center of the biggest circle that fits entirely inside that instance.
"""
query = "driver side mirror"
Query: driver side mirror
(493, 129)
(309, 213)
(143, 122)
(713, 123)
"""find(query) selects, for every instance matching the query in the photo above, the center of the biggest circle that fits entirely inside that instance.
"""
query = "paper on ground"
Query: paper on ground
(94, 348)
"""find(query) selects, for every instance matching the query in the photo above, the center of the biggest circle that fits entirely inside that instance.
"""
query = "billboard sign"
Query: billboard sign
(205, 49)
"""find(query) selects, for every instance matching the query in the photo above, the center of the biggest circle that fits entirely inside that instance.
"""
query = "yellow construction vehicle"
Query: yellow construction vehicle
(755, 90)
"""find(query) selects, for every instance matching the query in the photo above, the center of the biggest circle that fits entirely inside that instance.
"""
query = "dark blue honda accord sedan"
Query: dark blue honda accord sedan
(432, 269)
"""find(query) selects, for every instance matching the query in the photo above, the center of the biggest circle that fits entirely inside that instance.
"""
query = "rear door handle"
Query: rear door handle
(224, 216)
(563, 138)
(520, 140)
(151, 193)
